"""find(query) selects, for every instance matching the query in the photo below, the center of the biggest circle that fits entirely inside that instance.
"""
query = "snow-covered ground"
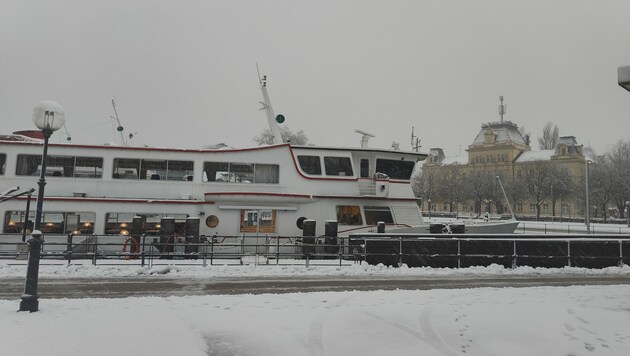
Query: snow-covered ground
(576, 320)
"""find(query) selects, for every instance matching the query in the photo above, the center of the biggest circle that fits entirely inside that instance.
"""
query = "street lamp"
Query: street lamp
(587, 213)
(429, 201)
(49, 117)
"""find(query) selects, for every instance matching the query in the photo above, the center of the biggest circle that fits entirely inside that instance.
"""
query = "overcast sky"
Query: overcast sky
(184, 72)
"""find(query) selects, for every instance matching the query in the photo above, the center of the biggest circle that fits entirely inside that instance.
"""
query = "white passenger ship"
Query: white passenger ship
(251, 192)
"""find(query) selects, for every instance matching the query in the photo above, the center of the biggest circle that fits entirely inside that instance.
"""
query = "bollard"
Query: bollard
(308, 239)
(380, 227)
(331, 245)
(192, 237)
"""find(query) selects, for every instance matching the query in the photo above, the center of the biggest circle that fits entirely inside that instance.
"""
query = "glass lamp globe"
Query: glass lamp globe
(49, 116)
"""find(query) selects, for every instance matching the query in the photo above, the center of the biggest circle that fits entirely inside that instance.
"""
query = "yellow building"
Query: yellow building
(544, 180)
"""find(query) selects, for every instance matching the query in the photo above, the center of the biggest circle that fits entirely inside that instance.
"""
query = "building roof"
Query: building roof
(505, 131)
(533, 156)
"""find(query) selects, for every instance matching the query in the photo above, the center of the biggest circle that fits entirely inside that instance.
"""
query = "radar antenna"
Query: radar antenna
(364, 139)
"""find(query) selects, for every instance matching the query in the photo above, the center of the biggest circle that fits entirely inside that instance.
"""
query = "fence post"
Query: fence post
(277, 249)
(144, 243)
(69, 248)
(95, 253)
(400, 248)
(214, 239)
(514, 262)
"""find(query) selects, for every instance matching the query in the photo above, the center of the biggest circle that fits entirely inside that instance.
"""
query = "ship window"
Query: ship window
(52, 222)
(338, 166)
(241, 172)
(349, 215)
(395, 169)
(310, 164)
(3, 161)
(260, 221)
(121, 223)
(151, 169)
(374, 214)
(60, 166)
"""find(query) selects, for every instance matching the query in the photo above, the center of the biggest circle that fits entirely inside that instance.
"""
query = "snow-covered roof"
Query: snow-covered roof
(533, 156)
(505, 131)
(455, 160)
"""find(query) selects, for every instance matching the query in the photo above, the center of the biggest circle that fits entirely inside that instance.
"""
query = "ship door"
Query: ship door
(364, 167)
(258, 221)
(256, 225)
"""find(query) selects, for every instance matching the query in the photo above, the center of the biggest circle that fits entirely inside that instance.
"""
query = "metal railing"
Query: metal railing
(412, 250)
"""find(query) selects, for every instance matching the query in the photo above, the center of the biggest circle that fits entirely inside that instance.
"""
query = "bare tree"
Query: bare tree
(295, 138)
(479, 184)
(538, 179)
(549, 139)
(451, 189)
(619, 159)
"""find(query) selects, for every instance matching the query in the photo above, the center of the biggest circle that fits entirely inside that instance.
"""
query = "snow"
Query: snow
(575, 320)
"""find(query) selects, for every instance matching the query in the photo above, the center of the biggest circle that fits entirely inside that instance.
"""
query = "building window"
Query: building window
(241, 172)
(60, 166)
(52, 222)
(349, 215)
(310, 165)
(374, 214)
(545, 207)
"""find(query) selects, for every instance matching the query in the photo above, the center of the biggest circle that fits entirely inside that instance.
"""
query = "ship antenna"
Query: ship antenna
(119, 128)
(502, 108)
(272, 120)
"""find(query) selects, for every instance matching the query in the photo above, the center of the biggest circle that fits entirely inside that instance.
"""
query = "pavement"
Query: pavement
(160, 286)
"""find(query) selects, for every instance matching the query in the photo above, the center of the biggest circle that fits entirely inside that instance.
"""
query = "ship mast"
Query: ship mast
(272, 120)
(119, 128)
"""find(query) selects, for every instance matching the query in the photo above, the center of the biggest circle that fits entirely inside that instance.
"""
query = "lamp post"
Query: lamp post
(587, 212)
(49, 117)
(628, 211)
(429, 201)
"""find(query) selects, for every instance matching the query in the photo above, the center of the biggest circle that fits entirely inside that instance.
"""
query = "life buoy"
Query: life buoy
(134, 248)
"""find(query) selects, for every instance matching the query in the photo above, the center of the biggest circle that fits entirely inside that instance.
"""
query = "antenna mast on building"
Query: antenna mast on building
(502, 109)
(415, 141)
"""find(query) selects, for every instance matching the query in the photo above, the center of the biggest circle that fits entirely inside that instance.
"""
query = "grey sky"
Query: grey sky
(184, 72)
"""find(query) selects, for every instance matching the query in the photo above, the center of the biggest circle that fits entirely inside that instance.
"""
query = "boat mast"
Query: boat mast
(271, 117)
(119, 128)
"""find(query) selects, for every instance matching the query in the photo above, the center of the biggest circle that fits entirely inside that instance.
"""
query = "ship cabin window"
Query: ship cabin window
(121, 223)
(52, 222)
(310, 165)
(241, 172)
(349, 215)
(60, 166)
(395, 169)
(374, 214)
(3, 162)
(258, 221)
(151, 169)
(338, 166)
